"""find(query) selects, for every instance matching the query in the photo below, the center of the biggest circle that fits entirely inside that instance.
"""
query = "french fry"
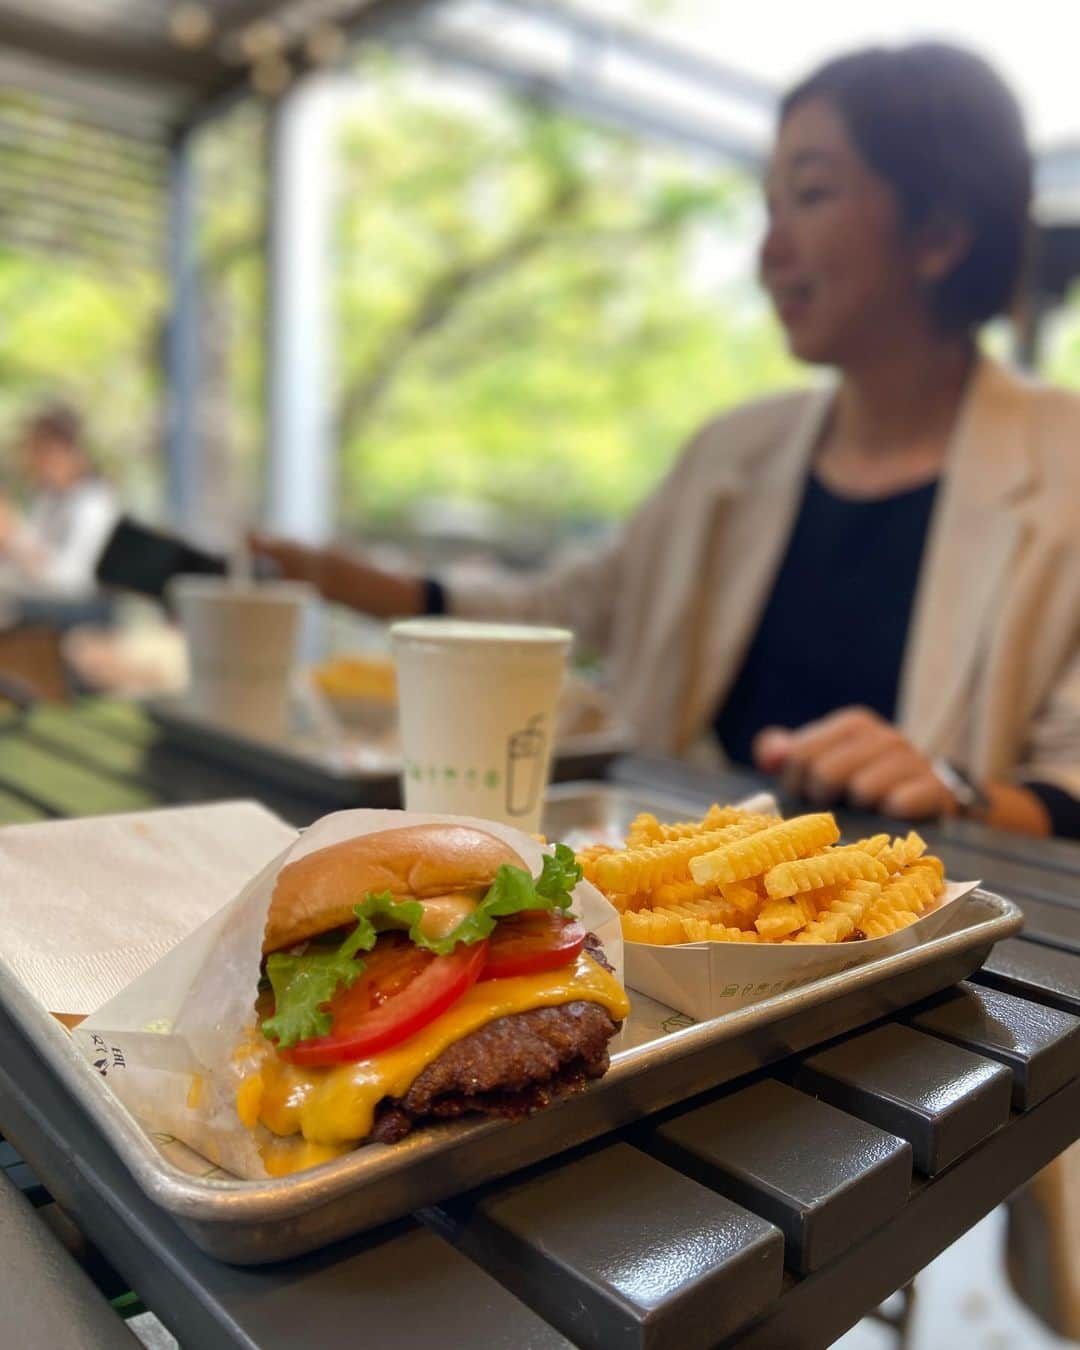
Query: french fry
(588, 857)
(872, 845)
(791, 839)
(829, 869)
(645, 926)
(714, 910)
(677, 893)
(742, 896)
(887, 920)
(651, 865)
(902, 852)
(646, 829)
(839, 917)
(902, 900)
(935, 865)
(634, 901)
(780, 917)
(699, 930)
(734, 876)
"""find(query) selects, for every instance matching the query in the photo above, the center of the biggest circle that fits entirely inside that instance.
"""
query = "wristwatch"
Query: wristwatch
(972, 803)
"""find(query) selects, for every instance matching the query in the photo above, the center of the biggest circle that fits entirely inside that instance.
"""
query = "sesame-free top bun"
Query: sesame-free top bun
(317, 892)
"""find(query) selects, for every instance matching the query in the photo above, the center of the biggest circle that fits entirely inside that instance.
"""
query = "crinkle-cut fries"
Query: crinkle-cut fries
(739, 876)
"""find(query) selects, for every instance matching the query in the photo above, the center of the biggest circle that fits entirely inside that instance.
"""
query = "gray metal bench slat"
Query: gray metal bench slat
(941, 1098)
(619, 1251)
(48, 1301)
(1035, 971)
(1059, 855)
(404, 1287)
(1040, 1045)
(1005, 872)
(1052, 925)
(825, 1178)
(820, 1307)
(412, 1290)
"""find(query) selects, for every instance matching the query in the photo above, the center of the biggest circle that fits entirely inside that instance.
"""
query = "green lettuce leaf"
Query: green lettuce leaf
(512, 891)
(304, 983)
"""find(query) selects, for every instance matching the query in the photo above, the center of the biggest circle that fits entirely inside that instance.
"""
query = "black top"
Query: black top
(834, 630)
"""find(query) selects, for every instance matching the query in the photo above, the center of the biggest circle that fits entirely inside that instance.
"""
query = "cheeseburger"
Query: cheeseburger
(419, 974)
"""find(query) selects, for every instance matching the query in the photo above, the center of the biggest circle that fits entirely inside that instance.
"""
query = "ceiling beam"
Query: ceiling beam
(133, 59)
(658, 52)
(591, 99)
(358, 19)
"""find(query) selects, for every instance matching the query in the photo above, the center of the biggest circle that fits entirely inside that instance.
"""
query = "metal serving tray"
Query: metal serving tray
(661, 1058)
(349, 770)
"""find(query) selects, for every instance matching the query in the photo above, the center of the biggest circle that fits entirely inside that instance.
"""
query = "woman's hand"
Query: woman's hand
(292, 561)
(855, 754)
(343, 577)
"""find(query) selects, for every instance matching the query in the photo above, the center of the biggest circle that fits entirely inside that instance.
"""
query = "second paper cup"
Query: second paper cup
(477, 707)
(242, 644)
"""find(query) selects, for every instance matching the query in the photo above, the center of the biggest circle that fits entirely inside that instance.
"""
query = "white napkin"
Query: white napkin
(88, 905)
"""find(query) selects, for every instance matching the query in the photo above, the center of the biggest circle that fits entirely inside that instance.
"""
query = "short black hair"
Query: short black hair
(946, 133)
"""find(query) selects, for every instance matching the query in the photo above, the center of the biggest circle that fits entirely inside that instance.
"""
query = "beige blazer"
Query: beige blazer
(991, 674)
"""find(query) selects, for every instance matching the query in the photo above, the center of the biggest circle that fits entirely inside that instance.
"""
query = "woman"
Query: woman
(872, 588)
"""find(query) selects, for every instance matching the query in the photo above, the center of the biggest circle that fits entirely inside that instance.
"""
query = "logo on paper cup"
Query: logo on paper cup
(525, 760)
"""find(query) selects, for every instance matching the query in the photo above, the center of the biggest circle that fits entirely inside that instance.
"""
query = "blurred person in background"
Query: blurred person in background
(871, 588)
(49, 551)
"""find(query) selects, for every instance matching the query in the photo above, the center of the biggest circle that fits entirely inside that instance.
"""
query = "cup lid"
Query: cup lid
(270, 591)
(470, 632)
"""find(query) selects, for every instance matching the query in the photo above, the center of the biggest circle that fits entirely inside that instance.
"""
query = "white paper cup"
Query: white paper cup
(242, 644)
(477, 709)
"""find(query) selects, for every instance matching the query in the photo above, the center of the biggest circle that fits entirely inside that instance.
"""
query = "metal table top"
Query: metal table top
(775, 1211)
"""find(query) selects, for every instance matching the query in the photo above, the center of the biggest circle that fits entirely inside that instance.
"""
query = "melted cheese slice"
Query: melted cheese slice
(333, 1108)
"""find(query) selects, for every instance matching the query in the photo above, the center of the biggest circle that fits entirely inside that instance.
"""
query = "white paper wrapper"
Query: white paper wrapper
(165, 1044)
(707, 979)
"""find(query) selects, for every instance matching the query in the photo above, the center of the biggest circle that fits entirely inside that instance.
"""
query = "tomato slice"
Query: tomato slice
(401, 990)
(532, 942)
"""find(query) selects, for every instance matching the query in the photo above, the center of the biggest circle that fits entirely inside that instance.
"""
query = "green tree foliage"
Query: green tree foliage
(530, 310)
(525, 313)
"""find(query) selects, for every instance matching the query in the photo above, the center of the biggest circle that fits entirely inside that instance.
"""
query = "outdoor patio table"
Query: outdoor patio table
(774, 1211)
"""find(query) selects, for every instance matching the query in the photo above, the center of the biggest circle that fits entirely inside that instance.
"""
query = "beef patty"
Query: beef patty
(511, 1067)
